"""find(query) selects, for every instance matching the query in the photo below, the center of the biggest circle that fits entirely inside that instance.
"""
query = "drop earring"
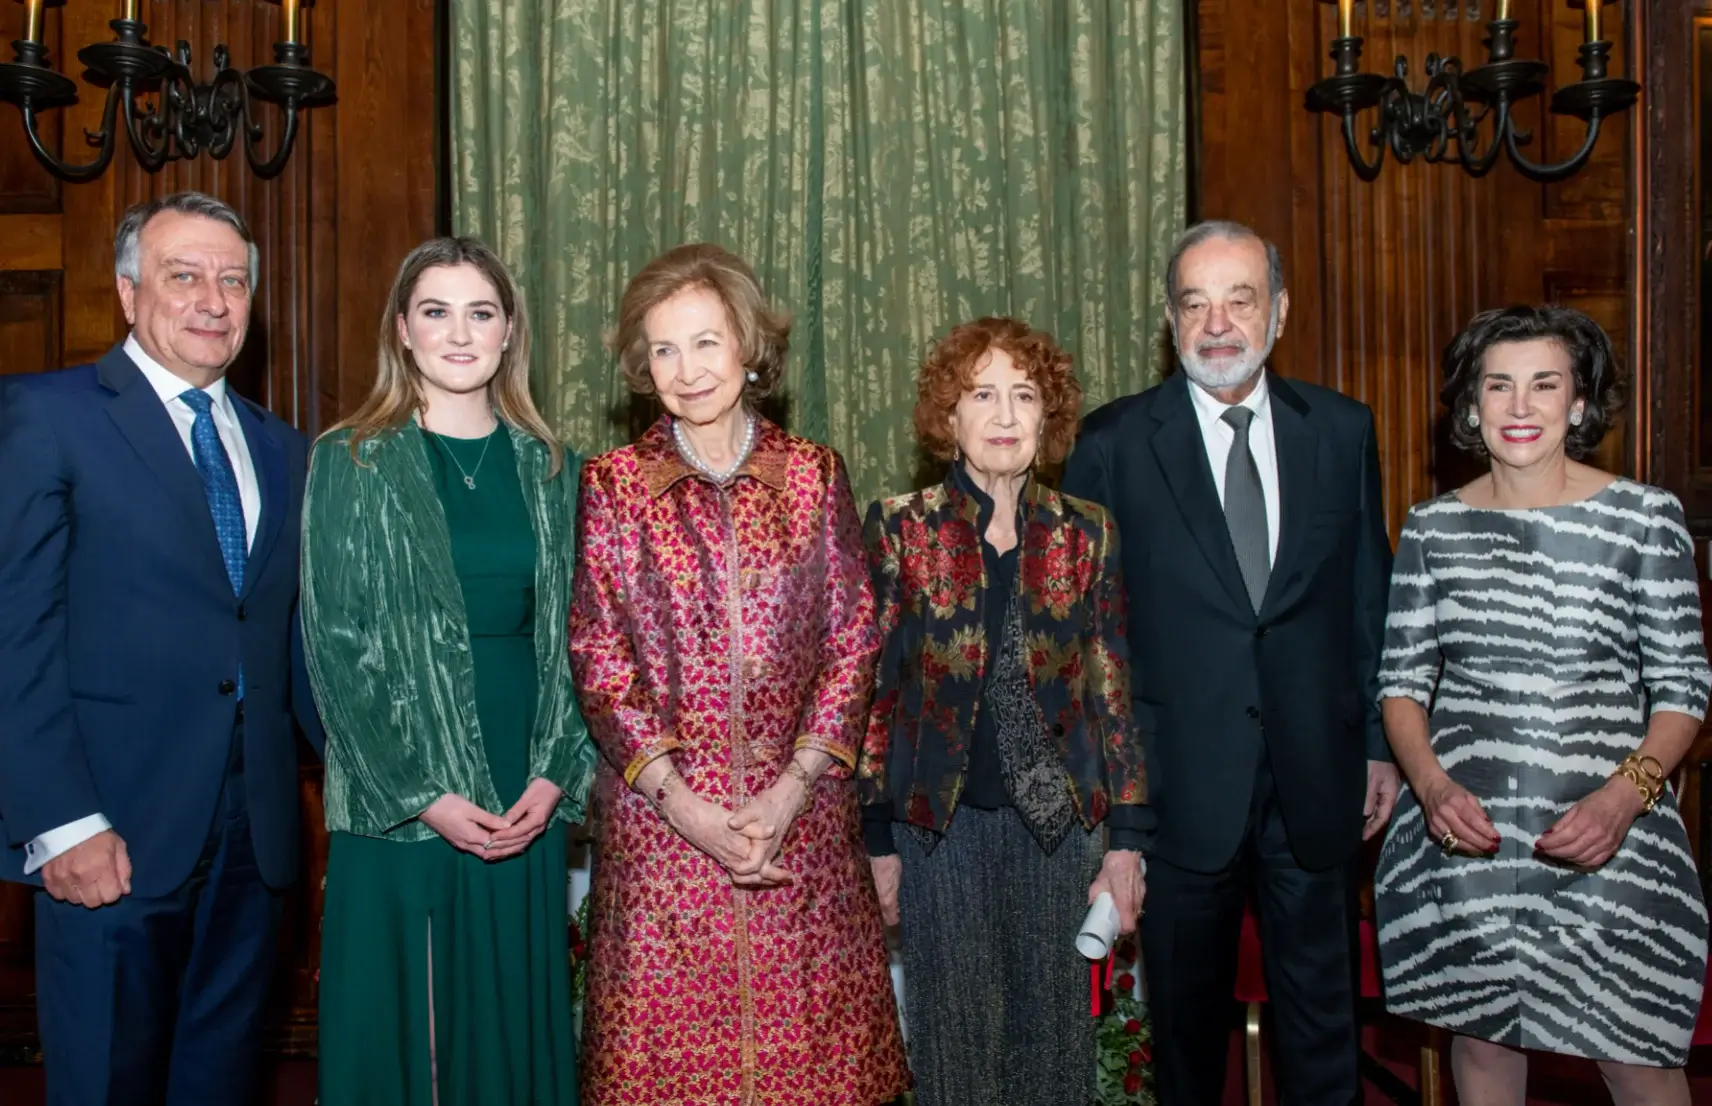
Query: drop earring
(1473, 418)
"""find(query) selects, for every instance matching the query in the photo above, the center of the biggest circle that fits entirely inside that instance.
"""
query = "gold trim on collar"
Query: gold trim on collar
(662, 466)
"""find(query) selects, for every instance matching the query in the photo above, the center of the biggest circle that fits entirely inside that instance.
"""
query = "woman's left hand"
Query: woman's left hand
(528, 817)
(765, 821)
(1120, 873)
(1591, 831)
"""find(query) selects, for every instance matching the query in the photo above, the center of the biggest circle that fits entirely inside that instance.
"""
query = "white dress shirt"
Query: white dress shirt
(169, 388)
(1218, 436)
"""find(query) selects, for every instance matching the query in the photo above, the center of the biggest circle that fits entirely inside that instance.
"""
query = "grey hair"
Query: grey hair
(1230, 232)
(128, 263)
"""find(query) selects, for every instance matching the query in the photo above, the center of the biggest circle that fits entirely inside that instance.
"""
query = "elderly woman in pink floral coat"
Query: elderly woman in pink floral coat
(722, 639)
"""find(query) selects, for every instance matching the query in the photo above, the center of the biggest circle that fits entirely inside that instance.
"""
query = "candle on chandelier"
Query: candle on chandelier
(289, 20)
(1503, 10)
(130, 11)
(1345, 18)
(1595, 9)
(33, 20)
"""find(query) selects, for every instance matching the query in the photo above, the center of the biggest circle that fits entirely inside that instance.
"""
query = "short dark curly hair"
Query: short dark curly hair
(763, 333)
(1592, 362)
(948, 372)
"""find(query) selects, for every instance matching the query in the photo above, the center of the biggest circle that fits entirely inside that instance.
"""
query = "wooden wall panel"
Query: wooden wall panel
(29, 320)
(359, 191)
(1383, 274)
(1671, 297)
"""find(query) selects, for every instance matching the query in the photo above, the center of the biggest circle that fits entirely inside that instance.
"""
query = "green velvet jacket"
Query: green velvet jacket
(387, 640)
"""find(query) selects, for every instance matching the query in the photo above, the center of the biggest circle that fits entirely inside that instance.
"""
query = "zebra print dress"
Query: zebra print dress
(1539, 641)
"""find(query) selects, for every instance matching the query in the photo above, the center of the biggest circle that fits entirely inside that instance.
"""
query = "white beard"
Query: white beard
(1233, 373)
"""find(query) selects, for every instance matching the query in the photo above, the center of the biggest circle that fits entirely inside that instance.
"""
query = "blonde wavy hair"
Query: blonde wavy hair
(397, 392)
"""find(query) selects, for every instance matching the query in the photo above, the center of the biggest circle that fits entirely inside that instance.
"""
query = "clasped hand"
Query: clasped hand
(1587, 835)
(746, 843)
(1591, 831)
(469, 828)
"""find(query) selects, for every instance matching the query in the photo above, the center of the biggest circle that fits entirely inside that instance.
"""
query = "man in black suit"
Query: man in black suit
(1257, 563)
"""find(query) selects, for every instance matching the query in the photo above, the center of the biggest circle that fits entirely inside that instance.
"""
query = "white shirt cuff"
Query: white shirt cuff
(61, 840)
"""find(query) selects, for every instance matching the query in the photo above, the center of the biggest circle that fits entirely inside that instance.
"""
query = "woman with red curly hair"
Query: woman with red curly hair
(1002, 777)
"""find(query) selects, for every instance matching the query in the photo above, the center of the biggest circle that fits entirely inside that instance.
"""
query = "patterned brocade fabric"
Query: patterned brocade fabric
(728, 625)
(930, 580)
(1033, 773)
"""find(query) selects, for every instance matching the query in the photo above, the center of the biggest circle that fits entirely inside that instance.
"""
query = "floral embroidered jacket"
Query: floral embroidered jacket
(929, 585)
(726, 626)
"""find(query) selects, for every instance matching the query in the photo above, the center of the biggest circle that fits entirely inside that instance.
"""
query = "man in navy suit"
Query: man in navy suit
(1257, 563)
(148, 587)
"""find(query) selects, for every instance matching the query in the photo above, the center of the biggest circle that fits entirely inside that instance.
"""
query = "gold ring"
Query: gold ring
(1449, 843)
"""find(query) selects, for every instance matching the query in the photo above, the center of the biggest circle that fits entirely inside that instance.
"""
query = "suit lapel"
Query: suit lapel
(1182, 457)
(267, 459)
(143, 419)
(1298, 455)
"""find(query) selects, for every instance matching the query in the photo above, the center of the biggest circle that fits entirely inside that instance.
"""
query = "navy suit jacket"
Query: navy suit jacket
(1216, 684)
(120, 638)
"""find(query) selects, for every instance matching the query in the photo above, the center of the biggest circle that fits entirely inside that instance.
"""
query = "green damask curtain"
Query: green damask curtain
(890, 167)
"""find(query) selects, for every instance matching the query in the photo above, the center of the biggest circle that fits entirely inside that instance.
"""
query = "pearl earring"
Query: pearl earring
(753, 376)
(1474, 418)
(1575, 418)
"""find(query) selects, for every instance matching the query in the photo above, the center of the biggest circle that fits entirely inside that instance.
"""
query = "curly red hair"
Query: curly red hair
(948, 373)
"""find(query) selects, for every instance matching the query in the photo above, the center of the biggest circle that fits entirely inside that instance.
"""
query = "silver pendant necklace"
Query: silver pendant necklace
(689, 454)
(469, 475)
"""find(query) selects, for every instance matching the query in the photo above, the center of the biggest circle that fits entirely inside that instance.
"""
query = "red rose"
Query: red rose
(1146, 1054)
(1126, 982)
(1132, 1027)
(577, 951)
(1132, 1083)
(1135, 1058)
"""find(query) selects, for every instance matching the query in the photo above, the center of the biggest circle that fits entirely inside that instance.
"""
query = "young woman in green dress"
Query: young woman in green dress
(438, 534)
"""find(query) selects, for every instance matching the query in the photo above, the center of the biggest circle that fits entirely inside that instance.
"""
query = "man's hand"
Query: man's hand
(95, 873)
(1383, 785)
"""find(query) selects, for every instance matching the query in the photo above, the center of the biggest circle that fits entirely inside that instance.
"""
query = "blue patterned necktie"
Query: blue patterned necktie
(220, 484)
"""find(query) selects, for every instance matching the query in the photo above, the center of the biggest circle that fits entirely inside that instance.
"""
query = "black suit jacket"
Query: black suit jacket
(120, 638)
(1215, 684)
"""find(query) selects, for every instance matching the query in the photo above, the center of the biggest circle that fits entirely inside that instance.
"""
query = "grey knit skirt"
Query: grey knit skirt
(995, 993)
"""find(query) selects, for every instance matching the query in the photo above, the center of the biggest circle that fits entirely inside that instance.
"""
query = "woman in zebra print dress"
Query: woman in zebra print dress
(1543, 670)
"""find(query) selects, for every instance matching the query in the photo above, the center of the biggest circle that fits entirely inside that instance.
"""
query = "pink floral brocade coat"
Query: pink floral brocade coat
(726, 626)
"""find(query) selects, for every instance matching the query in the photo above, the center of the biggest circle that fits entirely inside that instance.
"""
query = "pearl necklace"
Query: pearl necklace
(703, 467)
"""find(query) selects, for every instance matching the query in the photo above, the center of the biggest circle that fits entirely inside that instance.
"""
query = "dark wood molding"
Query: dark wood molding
(1666, 299)
(1192, 109)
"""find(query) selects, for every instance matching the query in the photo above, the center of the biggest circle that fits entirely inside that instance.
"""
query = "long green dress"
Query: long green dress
(411, 928)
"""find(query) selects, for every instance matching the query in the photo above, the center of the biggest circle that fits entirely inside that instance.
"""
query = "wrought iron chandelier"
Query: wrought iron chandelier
(1444, 122)
(190, 117)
